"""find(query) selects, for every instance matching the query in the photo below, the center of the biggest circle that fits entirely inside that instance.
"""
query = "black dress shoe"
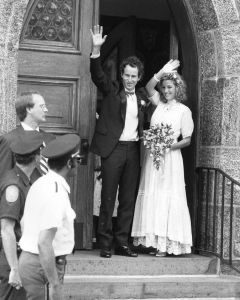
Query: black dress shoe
(105, 253)
(125, 251)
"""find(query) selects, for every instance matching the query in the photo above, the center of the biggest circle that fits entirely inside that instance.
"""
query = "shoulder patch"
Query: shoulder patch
(12, 193)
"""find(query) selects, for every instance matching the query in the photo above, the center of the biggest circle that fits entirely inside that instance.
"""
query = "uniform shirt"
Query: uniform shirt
(48, 206)
(14, 210)
(130, 132)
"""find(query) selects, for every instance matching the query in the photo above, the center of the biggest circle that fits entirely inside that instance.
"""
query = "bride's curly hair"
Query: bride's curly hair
(181, 87)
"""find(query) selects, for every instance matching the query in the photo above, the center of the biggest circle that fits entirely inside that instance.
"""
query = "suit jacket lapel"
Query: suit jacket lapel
(138, 102)
(123, 104)
(140, 114)
(139, 105)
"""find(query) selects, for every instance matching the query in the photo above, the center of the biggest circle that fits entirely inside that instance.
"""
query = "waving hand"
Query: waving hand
(97, 36)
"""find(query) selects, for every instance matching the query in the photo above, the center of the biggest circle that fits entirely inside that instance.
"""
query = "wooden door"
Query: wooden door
(54, 60)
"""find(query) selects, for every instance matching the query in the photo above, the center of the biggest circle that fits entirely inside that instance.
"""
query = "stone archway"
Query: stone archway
(217, 30)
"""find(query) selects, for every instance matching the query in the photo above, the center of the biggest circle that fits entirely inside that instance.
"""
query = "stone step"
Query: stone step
(90, 263)
(232, 298)
(151, 287)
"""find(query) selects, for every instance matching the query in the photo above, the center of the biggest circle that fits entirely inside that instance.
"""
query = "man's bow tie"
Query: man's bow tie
(128, 93)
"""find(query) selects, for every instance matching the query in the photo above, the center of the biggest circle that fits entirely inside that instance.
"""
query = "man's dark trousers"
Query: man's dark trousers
(120, 169)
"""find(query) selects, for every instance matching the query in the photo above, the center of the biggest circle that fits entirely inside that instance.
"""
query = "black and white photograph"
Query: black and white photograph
(119, 149)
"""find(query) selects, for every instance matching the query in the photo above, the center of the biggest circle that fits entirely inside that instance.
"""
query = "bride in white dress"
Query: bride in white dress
(161, 218)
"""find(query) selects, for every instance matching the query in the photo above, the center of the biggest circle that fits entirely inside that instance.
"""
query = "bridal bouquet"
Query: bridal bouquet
(158, 138)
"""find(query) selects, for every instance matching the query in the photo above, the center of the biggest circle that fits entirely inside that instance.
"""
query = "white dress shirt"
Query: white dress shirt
(130, 130)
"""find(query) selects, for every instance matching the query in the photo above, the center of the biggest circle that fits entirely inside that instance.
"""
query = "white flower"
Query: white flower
(158, 138)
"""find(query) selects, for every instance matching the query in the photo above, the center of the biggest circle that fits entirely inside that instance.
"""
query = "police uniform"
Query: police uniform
(15, 181)
(7, 160)
(47, 206)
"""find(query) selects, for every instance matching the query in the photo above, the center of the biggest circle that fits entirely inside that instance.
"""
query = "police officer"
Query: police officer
(13, 191)
(48, 233)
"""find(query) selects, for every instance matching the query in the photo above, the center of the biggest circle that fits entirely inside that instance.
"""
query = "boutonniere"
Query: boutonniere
(142, 99)
(142, 104)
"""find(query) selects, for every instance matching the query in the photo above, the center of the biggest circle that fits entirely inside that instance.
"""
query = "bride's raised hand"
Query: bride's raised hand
(171, 66)
(97, 36)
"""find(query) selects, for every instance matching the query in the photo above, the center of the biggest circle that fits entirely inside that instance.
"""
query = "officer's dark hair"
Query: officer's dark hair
(59, 163)
(27, 158)
(24, 101)
(133, 62)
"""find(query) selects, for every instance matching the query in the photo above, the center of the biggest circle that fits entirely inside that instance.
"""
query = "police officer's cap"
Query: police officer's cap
(62, 145)
(27, 143)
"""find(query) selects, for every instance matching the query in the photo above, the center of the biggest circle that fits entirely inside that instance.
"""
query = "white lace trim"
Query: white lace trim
(163, 244)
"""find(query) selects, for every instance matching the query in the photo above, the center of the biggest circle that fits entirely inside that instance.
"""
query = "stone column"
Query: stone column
(11, 19)
(218, 35)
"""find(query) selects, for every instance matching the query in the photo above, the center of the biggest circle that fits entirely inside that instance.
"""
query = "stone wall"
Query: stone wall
(11, 18)
(217, 24)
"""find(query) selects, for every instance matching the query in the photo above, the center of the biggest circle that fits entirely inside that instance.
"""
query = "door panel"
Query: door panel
(54, 60)
(51, 63)
(61, 97)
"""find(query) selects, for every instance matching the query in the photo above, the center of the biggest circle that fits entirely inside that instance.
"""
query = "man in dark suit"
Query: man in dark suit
(116, 140)
(31, 110)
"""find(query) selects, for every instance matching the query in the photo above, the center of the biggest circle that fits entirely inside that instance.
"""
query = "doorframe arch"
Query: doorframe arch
(186, 34)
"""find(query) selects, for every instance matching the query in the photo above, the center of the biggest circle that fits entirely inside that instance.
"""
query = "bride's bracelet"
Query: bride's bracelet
(155, 77)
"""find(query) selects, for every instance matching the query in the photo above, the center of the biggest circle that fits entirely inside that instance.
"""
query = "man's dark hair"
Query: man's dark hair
(26, 159)
(59, 162)
(24, 101)
(133, 62)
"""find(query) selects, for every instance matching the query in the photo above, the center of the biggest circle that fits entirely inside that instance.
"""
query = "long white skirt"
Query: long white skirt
(161, 217)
